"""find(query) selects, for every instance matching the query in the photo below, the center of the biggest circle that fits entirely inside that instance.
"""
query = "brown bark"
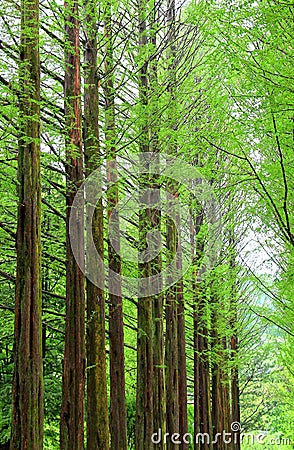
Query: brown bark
(202, 404)
(144, 408)
(171, 354)
(182, 372)
(176, 384)
(204, 388)
(220, 392)
(197, 420)
(204, 377)
(97, 404)
(217, 405)
(159, 400)
(144, 414)
(73, 383)
(183, 400)
(194, 229)
(235, 388)
(144, 400)
(226, 386)
(118, 427)
(27, 391)
(155, 267)
(235, 392)
(171, 346)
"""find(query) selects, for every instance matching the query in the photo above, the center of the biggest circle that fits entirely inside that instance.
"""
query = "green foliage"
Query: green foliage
(229, 111)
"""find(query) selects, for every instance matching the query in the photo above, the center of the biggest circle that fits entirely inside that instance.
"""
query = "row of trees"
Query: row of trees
(208, 86)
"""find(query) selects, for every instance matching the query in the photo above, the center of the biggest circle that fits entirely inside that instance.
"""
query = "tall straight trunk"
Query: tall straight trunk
(202, 404)
(194, 230)
(159, 403)
(181, 339)
(171, 349)
(183, 400)
(226, 385)
(204, 381)
(217, 405)
(235, 388)
(235, 391)
(202, 407)
(220, 404)
(97, 404)
(27, 390)
(176, 378)
(144, 401)
(118, 421)
(182, 372)
(196, 378)
(159, 400)
(73, 383)
(220, 394)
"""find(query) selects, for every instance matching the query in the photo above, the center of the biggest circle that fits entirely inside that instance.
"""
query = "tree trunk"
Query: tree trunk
(159, 400)
(217, 406)
(171, 351)
(73, 386)
(235, 392)
(220, 399)
(175, 334)
(196, 370)
(27, 391)
(144, 408)
(118, 421)
(235, 389)
(144, 414)
(97, 404)
(202, 404)
(144, 404)
(183, 400)
(194, 230)
(204, 383)
(171, 346)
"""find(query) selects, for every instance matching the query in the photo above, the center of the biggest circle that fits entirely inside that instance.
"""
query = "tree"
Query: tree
(159, 397)
(27, 412)
(118, 415)
(73, 383)
(144, 391)
(97, 404)
(207, 83)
